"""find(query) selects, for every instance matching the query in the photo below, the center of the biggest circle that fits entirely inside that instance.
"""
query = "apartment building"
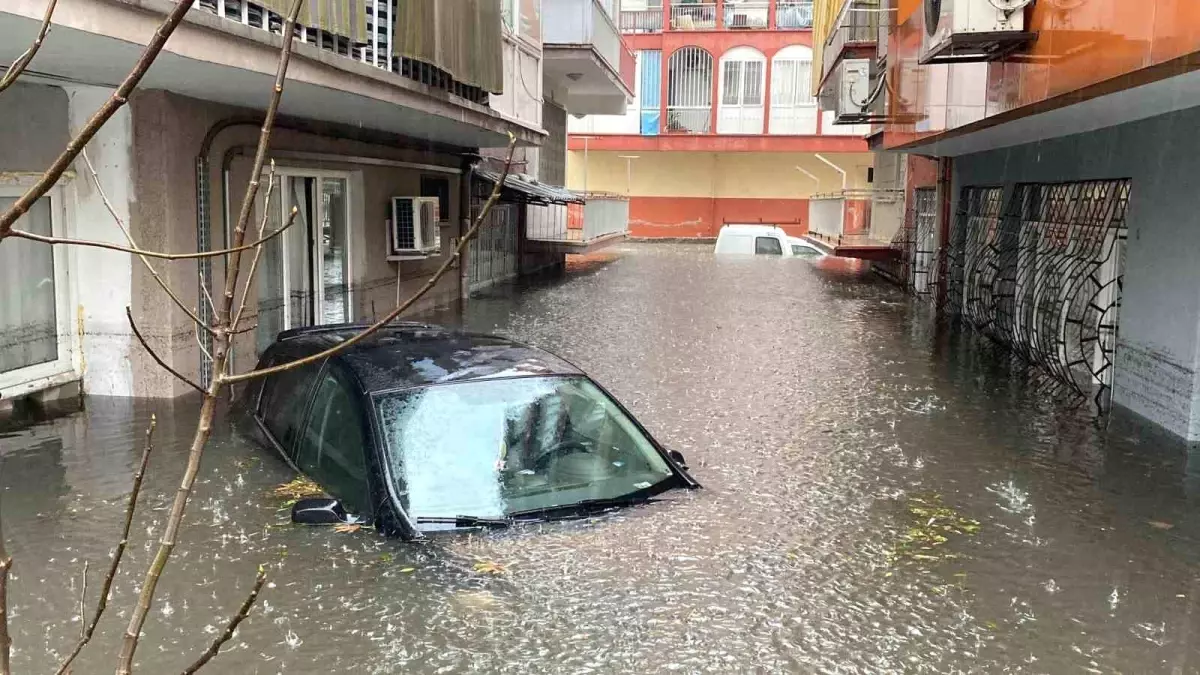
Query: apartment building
(384, 100)
(724, 126)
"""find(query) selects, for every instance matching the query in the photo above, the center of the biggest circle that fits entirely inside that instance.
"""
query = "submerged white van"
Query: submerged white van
(763, 240)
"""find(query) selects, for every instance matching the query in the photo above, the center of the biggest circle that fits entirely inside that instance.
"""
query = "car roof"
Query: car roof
(751, 228)
(406, 355)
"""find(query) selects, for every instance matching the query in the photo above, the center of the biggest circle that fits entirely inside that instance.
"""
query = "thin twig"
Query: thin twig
(236, 619)
(114, 103)
(207, 296)
(129, 238)
(83, 601)
(200, 345)
(115, 563)
(154, 355)
(6, 563)
(55, 241)
(17, 67)
(221, 352)
(399, 309)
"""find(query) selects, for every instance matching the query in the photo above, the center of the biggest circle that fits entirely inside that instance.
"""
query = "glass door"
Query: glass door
(305, 277)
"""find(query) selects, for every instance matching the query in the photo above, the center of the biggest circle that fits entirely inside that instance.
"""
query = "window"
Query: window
(743, 71)
(332, 450)
(29, 319)
(283, 400)
(767, 246)
(805, 251)
(438, 186)
(793, 106)
(650, 90)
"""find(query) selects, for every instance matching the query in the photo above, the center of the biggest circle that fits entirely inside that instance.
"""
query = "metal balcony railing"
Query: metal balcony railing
(601, 215)
(689, 120)
(641, 20)
(747, 14)
(377, 50)
(794, 14)
(857, 24)
(698, 16)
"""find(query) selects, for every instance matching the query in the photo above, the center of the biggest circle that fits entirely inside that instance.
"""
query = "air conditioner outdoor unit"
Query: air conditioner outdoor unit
(414, 228)
(959, 31)
(855, 87)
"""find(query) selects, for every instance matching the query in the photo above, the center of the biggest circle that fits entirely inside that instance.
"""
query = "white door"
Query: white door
(305, 275)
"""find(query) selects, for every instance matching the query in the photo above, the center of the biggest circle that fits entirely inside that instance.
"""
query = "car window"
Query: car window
(281, 405)
(808, 251)
(767, 246)
(332, 449)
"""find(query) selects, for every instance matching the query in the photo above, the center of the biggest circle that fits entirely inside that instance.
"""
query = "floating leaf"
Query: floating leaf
(408, 570)
(490, 567)
(298, 488)
(387, 557)
(1160, 525)
(347, 527)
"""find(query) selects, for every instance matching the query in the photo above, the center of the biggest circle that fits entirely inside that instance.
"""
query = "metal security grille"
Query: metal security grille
(492, 256)
(914, 265)
(1045, 278)
(689, 91)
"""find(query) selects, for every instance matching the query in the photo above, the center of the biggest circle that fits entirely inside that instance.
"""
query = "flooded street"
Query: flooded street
(879, 498)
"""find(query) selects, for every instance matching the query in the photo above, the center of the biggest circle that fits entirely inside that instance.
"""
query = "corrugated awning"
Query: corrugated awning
(526, 190)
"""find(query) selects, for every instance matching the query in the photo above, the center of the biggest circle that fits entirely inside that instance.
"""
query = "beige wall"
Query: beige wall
(168, 132)
(704, 174)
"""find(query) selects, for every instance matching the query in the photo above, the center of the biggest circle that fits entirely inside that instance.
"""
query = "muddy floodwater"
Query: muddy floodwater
(880, 497)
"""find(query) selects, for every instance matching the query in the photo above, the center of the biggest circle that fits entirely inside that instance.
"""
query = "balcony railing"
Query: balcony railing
(376, 50)
(602, 215)
(747, 14)
(641, 20)
(857, 24)
(694, 17)
(794, 14)
(689, 120)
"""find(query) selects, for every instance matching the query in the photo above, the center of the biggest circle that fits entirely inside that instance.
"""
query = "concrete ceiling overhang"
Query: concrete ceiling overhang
(581, 78)
(220, 60)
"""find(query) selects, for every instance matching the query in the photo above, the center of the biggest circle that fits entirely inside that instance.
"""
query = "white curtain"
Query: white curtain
(28, 320)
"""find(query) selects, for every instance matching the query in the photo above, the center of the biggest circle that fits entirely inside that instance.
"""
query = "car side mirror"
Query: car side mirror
(677, 457)
(319, 511)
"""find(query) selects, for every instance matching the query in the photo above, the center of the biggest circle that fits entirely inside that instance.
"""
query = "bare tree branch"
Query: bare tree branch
(83, 600)
(112, 211)
(6, 562)
(115, 563)
(54, 241)
(118, 99)
(262, 225)
(17, 67)
(399, 309)
(154, 355)
(236, 619)
(221, 353)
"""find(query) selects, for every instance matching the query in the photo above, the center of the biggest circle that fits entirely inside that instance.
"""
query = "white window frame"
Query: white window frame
(281, 176)
(743, 56)
(67, 367)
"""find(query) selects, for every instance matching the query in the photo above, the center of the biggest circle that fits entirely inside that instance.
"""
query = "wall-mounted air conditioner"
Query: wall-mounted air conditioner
(413, 229)
(855, 89)
(958, 31)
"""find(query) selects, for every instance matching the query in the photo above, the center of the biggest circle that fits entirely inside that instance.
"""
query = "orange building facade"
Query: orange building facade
(724, 127)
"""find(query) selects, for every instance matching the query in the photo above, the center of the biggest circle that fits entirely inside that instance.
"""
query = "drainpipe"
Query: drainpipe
(944, 194)
(845, 180)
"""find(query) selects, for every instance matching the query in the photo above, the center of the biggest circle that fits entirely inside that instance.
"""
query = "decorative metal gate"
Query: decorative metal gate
(1043, 278)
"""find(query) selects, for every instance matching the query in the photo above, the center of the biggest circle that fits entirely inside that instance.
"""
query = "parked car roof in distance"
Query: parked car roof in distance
(405, 355)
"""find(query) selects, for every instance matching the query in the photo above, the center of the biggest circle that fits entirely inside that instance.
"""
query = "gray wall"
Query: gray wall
(1157, 353)
(35, 128)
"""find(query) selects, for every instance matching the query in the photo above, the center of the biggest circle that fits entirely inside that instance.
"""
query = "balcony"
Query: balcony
(602, 219)
(697, 16)
(585, 62)
(855, 34)
(648, 20)
(747, 15)
(839, 223)
(794, 14)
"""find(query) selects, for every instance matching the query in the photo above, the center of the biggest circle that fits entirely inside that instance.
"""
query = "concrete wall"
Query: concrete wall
(1158, 353)
(168, 130)
(35, 126)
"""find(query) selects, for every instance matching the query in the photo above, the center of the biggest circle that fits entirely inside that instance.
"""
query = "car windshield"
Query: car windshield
(492, 448)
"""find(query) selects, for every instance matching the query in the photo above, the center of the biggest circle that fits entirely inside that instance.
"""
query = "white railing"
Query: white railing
(794, 14)
(694, 17)
(688, 120)
(546, 222)
(826, 216)
(747, 14)
(603, 215)
(641, 20)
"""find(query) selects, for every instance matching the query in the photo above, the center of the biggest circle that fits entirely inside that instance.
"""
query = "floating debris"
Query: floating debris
(933, 524)
(300, 487)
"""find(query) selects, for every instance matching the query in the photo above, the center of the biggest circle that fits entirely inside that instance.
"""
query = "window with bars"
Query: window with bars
(689, 91)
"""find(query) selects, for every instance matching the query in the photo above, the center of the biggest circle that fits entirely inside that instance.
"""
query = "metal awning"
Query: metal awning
(528, 190)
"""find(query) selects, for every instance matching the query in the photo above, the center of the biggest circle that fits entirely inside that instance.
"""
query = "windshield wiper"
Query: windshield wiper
(587, 505)
(467, 521)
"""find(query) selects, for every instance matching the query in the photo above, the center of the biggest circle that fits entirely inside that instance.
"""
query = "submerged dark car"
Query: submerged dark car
(419, 428)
